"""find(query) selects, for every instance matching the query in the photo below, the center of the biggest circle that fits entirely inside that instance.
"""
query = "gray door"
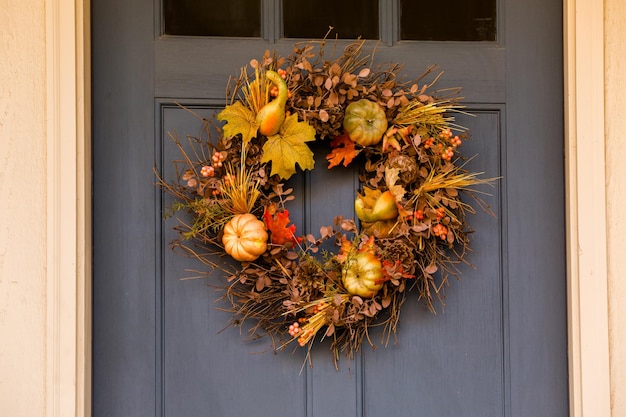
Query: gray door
(159, 343)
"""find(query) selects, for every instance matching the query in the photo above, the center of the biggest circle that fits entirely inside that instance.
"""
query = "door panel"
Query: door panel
(161, 345)
(204, 366)
(481, 73)
(454, 361)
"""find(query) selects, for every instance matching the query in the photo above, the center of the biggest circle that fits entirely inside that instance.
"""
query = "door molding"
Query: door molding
(68, 308)
(68, 200)
(585, 187)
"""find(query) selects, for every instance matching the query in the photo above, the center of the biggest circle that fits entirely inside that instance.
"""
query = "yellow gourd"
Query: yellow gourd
(375, 205)
(272, 116)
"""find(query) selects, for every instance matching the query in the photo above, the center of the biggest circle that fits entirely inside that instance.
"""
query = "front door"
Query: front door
(160, 347)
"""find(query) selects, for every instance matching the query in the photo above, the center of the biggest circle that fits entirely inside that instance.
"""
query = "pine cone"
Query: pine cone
(409, 170)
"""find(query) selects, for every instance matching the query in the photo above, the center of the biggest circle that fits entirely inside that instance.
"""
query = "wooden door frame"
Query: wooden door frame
(68, 301)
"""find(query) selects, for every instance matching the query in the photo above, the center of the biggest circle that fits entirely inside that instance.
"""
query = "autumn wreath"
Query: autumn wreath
(410, 231)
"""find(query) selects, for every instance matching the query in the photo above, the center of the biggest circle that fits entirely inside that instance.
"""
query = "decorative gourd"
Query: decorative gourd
(245, 237)
(365, 121)
(374, 206)
(272, 116)
(362, 274)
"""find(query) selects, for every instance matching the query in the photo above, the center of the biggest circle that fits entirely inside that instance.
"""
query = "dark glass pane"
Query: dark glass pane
(449, 20)
(311, 18)
(240, 18)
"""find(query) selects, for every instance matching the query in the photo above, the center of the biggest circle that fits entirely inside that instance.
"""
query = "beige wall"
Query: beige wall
(41, 310)
(22, 208)
(615, 99)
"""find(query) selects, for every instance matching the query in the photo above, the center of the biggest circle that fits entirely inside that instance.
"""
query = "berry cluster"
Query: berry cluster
(441, 231)
(455, 141)
(311, 325)
(207, 171)
(446, 136)
(217, 161)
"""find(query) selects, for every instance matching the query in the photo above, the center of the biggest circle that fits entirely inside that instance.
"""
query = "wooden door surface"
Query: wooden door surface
(160, 347)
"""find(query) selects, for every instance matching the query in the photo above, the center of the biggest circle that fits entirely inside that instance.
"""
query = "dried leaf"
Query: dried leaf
(431, 269)
(260, 284)
(337, 300)
(364, 72)
(386, 301)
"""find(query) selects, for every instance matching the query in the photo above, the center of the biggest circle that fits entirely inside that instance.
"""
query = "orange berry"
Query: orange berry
(446, 134)
(207, 171)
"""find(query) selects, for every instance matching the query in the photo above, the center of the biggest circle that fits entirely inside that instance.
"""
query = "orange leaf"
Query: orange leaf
(344, 251)
(276, 222)
(343, 148)
(394, 271)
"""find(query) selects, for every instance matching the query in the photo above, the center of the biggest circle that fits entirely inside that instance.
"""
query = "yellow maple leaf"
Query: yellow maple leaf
(288, 148)
(239, 119)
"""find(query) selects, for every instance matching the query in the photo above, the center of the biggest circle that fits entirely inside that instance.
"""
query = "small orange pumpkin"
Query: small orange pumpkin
(245, 237)
(365, 121)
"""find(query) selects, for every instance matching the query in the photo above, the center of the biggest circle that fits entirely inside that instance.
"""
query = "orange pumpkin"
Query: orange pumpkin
(365, 121)
(245, 237)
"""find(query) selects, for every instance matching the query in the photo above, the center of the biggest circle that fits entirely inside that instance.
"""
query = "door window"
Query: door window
(388, 20)
(311, 18)
(232, 18)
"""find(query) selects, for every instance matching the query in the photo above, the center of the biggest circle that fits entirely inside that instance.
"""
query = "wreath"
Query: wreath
(410, 232)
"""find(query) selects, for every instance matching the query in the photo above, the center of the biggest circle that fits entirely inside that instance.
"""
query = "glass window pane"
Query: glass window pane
(311, 18)
(239, 18)
(450, 20)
